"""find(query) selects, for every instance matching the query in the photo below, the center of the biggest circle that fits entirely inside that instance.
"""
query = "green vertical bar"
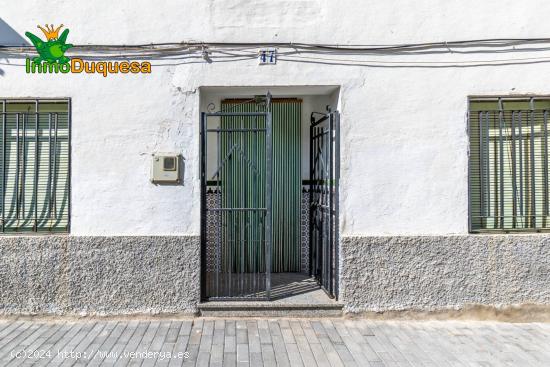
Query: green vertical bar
(280, 190)
(286, 144)
(297, 190)
(226, 188)
(250, 150)
(284, 181)
(299, 186)
(289, 147)
(294, 187)
(280, 186)
(263, 160)
(283, 156)
(300, 193)
(250, 193)
(276, 215)
(236, 178)
(221, 177)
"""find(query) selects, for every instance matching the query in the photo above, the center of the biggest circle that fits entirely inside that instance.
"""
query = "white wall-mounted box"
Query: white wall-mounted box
(165, 168)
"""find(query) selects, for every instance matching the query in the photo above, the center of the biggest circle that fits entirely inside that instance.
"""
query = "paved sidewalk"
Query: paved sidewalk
(271, 342)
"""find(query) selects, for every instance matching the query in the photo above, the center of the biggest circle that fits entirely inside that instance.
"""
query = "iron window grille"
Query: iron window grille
(508, 164)
(35, 165)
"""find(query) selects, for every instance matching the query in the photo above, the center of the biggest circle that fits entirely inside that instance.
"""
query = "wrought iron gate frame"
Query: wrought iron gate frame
(268, 200)
(324, 199)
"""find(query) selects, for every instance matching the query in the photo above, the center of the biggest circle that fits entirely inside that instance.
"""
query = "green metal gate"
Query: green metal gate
(255, 170)
(286, 178)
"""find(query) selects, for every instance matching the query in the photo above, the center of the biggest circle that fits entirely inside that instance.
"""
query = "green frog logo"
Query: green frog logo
(53, 50)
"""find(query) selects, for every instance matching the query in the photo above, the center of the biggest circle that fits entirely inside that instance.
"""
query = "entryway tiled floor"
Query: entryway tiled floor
(272, 342)
(287, 288)
(292, 288)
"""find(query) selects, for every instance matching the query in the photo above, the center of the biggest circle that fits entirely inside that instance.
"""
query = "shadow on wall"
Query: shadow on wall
(9, 37)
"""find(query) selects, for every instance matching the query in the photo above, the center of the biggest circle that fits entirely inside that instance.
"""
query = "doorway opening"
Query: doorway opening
(269, 193)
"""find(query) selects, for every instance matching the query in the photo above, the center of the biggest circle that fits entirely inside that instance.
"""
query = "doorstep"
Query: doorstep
(268, 309)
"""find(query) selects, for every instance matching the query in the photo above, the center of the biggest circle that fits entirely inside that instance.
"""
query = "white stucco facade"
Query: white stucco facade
(404, 127)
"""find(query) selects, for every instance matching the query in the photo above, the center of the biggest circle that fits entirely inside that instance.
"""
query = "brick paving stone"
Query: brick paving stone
(275, 342)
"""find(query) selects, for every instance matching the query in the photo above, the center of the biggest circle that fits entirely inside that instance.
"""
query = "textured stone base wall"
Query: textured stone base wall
(448, 272)
(99, 275)
(66, 275)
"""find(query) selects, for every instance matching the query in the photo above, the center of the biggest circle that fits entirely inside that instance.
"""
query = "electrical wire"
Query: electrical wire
(492, 42)
(170, 53)
(458, 62)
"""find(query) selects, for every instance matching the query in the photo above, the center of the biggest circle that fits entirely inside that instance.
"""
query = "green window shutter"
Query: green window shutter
(34, 166)
(508, 164)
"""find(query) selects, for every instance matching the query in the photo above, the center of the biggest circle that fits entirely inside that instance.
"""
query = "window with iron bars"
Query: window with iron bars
(508, 164)
(35, 165)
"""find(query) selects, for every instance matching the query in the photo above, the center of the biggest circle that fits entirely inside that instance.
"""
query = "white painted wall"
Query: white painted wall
(404, 151)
